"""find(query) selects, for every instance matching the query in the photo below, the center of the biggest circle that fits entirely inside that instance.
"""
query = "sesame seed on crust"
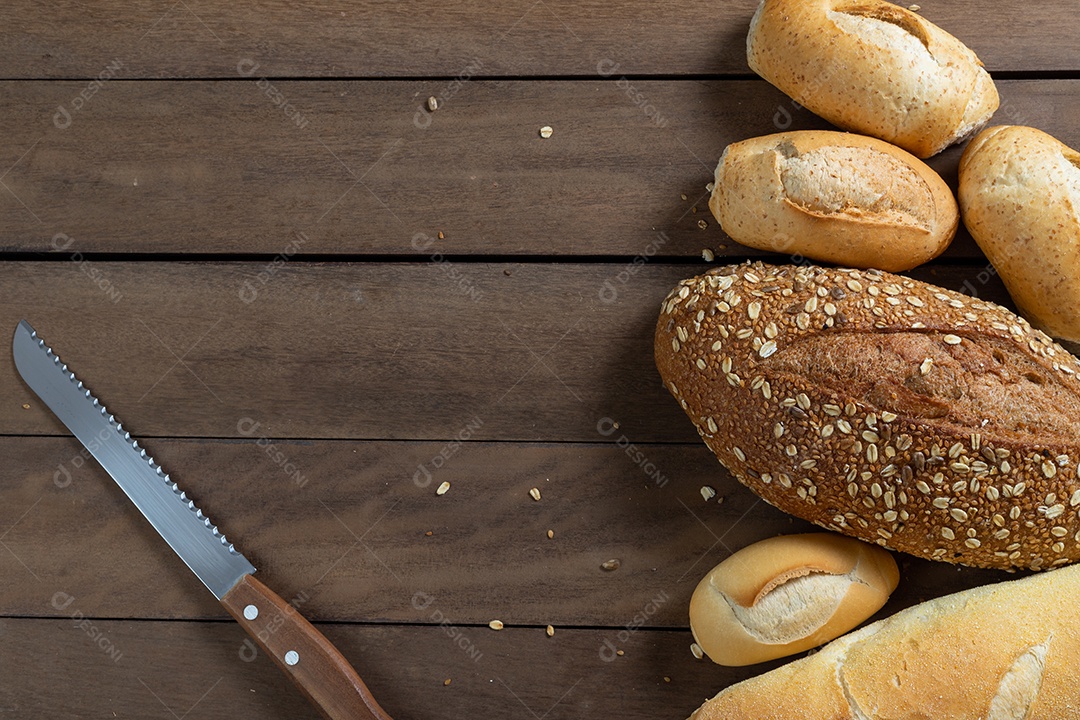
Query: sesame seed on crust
(961, 450)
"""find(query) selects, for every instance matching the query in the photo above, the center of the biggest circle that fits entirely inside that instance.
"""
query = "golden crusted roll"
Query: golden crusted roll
(884, 408)
(836, 197)
(873, 67)
(1020, 194)
(787, 594)
(999, 652)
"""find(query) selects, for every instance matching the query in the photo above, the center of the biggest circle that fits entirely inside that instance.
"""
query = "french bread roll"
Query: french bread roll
(1020, 193)
(835, 197)
(999, 652)
(873, 67)
(787, 594)
(884, 408)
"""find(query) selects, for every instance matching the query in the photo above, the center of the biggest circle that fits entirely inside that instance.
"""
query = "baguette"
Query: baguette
(884, 408)
(1020, 190)
(835, 197)
(873, 67)
(1007, 651)
(787, 594)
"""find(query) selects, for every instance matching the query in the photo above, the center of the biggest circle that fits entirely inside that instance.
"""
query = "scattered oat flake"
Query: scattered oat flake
(441, 236)
(443, 488)
(535, 492)
(550, 631)
(432, 104)
(667, 679)
(428, 533)
(446, 682)
(696, 650)
(26, 406)
(926, 366)
(702, 224)
(710, 187)
(610, 565)
(914, 8)
(707, 255)
(683, 196)
(707, 492)
(496, 625)
(951, 340)
(620, 653)
(545, 132)
(550, 534)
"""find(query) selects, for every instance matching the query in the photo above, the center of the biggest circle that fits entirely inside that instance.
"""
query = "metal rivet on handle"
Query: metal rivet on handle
(292, 657)
(251, 612)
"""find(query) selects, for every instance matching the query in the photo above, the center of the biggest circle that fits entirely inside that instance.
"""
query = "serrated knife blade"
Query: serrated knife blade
(176, 518)
(320, 671)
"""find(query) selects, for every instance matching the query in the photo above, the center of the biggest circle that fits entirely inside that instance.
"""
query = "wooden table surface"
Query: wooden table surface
(316, 301)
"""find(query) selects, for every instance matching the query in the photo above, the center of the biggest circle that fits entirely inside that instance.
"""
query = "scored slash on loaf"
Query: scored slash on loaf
(785, 594)
(873, 67)
(882, 407)
(998, 652)
(834, 197)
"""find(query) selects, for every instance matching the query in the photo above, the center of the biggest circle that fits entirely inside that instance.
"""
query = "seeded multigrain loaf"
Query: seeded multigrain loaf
(882, 407)
(873, 67)
(834, 197)
(1020, 190)
(999, 652)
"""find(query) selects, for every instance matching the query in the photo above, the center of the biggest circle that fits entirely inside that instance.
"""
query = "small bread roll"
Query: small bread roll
(787, 594)
(998, 652)
(873, 67)
(1020, 195)
(835, 197)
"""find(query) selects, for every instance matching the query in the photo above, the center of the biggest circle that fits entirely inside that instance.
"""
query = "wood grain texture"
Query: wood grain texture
(351, 543)
(166, 669)
(388, 350)
(322, 674)
(312, 408)
(214, 167)
(439, 37)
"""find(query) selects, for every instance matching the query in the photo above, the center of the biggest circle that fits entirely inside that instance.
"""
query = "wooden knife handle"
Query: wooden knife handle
(302, 652)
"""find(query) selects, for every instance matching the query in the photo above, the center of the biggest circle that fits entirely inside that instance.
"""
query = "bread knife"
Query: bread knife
(301, 651)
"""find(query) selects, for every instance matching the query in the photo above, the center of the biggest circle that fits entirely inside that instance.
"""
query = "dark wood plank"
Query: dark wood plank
(391, 377)
(166, 669)
(216, 167)
(441, 37)
(351, 543)
(343, 350)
